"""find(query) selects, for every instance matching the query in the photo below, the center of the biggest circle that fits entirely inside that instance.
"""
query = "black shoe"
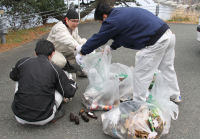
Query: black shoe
(75, 68)
(81, 74)
(69, 68)
(58, 115)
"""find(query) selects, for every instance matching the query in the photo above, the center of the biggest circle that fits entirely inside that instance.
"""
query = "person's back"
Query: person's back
(129, 27)
(38, 79)
(33, 100)
(136, 26)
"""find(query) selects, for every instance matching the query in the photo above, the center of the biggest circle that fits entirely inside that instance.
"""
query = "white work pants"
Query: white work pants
(159, 56)
(58, 100)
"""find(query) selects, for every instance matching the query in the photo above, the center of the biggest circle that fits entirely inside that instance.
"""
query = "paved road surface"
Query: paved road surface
(187, 66)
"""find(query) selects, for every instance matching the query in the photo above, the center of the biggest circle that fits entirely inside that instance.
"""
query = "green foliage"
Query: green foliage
(46, 8)
(22, 13)
(17, 13)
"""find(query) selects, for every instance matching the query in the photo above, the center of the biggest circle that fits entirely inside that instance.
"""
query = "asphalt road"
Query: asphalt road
(187, 66)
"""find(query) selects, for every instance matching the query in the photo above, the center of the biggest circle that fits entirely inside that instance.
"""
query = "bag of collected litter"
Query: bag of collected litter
(133, 119)
(102, 92)
(160, 96)
(149, 119)
(125, 75)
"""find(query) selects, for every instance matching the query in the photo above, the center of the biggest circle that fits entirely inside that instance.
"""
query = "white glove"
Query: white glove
(78, 48)
(79, 59)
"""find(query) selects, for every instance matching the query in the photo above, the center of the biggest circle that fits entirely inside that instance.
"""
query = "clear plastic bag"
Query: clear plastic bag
(125, 75)
(102, 92)
(149, 119)
(160, 97)
(100, 61)
(103, 97)
(133, 119)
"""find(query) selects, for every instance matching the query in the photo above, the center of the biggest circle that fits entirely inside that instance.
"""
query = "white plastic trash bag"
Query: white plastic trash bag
(102, 97)
(125, 75)
(100, 61)
(160, 97)
(149, 119)
(102, 92)
(133, 119)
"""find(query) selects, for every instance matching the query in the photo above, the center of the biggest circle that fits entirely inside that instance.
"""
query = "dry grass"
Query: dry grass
(185, 16)
(19, 37)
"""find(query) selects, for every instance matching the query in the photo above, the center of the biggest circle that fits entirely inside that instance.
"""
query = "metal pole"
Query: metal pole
(199, 20)
(79, 15)
(198, 30)
(157, 9)
(3, 30)
(3, 38)
(68, 4)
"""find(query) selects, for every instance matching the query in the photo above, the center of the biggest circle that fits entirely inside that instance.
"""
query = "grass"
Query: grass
(185, 16)
(19, 37)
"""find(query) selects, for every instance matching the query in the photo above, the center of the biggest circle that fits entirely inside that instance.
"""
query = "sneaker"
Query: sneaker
(176, 99)
(58, 115)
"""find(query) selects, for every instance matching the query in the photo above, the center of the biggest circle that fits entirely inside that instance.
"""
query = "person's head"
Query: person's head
(45, 47)
(102, 11)
(71, 19)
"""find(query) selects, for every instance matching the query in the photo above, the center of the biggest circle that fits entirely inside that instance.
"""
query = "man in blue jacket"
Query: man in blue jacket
(138, 29)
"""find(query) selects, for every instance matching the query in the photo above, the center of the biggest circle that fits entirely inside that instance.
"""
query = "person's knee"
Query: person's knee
(59, 59)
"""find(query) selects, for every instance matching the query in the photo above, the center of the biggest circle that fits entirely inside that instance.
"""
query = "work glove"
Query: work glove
(79, 58)
(78, 48)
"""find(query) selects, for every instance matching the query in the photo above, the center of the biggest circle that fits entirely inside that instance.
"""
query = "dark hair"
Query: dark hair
(44, 47)
(71, 14)
(101, 9)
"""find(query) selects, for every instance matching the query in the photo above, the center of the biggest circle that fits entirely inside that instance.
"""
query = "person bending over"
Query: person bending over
(137, 28)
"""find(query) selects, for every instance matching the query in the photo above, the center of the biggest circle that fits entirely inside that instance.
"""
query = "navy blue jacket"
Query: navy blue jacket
(133, 28)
